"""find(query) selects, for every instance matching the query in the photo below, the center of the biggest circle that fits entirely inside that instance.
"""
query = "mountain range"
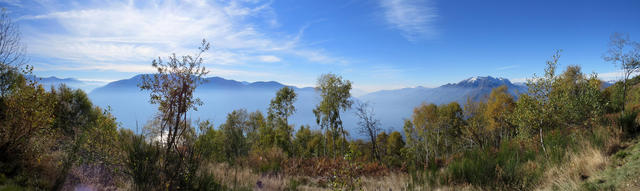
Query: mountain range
(220, 96)
(48, 82)
(393, 106)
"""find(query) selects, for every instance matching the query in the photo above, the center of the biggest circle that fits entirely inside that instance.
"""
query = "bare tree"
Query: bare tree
(626, 55)
(172, 89)
(12, 53)
(369, 126)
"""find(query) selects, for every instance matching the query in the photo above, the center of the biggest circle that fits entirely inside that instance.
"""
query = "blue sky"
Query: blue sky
(384, 44)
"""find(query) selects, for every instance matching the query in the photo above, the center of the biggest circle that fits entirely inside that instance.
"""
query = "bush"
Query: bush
(628, 123)
(268, 160)
(476, 167)
(206, 181)
(511, 167)
(558, 143)
(143, 163)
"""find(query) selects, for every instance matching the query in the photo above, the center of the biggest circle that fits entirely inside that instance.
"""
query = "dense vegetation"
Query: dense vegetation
(57, 140)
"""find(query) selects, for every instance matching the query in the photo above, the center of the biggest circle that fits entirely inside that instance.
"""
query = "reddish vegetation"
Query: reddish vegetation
(324, 167)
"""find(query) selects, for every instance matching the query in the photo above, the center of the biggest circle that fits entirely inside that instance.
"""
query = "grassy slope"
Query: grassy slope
(622, 172)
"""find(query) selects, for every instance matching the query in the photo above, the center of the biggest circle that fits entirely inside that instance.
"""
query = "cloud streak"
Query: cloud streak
(413, 18)
(507, 67)
(120, 36)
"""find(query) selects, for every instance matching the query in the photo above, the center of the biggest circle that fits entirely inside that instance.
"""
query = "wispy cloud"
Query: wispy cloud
(123, 36)
(518, 80)
(507, 67)
(414, 18)
(269, 58)
(614, 76)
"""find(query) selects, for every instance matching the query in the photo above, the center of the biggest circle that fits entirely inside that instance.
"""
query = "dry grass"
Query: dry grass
(247, 179)
(225, 175)
(622, 173)
(393, 181)
(571, 175)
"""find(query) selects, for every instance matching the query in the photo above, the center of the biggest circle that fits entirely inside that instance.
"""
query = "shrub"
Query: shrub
(143, 163)
(510, 167)
(628, 123)
(558, 143)
(206, 181)
(267, 161)
(476, 167)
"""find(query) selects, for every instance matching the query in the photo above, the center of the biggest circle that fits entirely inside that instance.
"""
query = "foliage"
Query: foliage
(475, 131)
(280, 108)
(171, 88)
(336, 97)
(143, 162)
(49, 138)
(434, 132)
(308, 143)
(625, 54)
(511, 167)
(393, 150)
(12, 55)
(26, 136)
(499, 107)
(267, 160)
(628, 122)
(210, 142)
(233, 136)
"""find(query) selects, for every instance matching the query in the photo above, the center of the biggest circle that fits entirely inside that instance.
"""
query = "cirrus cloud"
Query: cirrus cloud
(119, 36)
(414, 18)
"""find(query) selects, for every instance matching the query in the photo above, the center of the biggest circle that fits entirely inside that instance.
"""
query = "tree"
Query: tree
(475, 130)
(211, 142)
(451, 123)
(499, 106)
(233, 131)
(413, 151)
(626, 55)
(394, 147)
(73, 112)
(427, 131)
(12, 54)
(437, 129)
(301, 142)
(255, 124)
(578, 97)
(535, 110)
(172, 89)
(335, 98)
(369, 126)
(280, 108)
(26, 116)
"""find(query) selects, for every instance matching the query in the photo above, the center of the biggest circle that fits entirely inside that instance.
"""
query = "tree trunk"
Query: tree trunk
(624, 93)
(542, 142)
(235, 177)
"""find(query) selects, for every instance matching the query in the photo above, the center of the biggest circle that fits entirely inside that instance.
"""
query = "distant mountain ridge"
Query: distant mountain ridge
(52, 81)
(211, 83)
(474, 88)
(47, 81)
(221, 96)
(392, 106)
(481, 82)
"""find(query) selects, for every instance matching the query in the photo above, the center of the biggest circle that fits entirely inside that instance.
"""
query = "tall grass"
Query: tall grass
(509, 167)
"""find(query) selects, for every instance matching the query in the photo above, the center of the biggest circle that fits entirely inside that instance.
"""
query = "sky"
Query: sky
(377, 44)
